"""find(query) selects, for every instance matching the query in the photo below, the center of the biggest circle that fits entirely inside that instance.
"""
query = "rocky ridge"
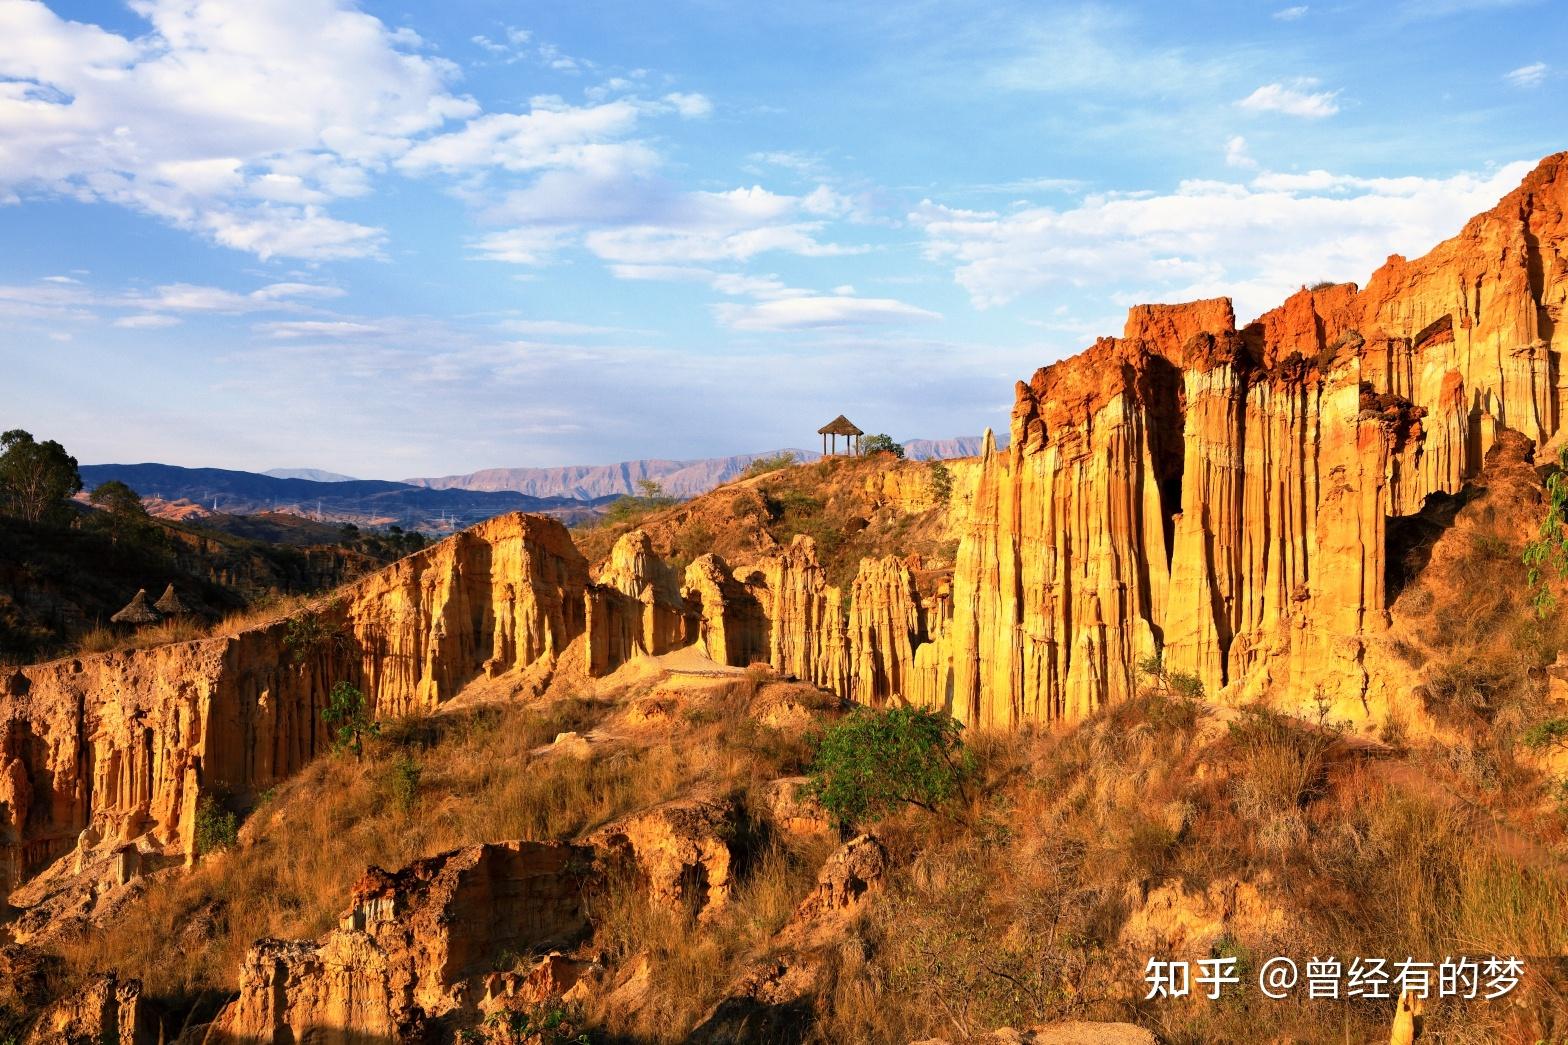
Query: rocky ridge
(1215, 496)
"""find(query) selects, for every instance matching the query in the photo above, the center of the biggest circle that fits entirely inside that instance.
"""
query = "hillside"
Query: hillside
(853, 508)
(1232, 656)
(59, 584)
(677, 478)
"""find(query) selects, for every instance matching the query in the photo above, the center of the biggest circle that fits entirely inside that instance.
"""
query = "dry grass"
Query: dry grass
(1010, 913)
(826, 500)
(102, 639)
(1016, 919)
(301, 850)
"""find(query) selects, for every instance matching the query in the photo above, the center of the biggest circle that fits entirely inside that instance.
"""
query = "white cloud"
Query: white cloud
(554, 328)
(550, 136)
(1236, 154)
(804, 164)
(1292, 100)
(1528, 75)
(818, 312)
(518, 246)
(237, 121)
(195, 297)
(147, 321)
(643, 222)
(1291, 14)
(690, 106)
(332, 328)
(1257, 241)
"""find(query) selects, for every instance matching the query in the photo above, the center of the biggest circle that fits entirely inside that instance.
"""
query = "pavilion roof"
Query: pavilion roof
(840, 425)
(137, 611)
(170, 602)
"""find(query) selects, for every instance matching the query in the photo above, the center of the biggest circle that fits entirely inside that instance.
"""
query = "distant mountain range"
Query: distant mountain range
(365, 502)
(678, 478)
(572, 492)
(315, 475)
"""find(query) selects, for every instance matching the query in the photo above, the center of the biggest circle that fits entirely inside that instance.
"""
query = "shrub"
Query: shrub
(406, 774)
(650, 497)
(545, 1024)
(216, 827)
(882, 443)
(1551, 733)
(875, 761)
(309, 633)
(1550, 547)
(764, 465)
(348, 719)
(941, 482)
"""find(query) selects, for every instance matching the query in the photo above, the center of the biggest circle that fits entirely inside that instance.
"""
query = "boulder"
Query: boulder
(680, 849)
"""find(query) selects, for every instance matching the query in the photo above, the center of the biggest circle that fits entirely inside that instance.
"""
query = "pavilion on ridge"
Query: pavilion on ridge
(840, 426)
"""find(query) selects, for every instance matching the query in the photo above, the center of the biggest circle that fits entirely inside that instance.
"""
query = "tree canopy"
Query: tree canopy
(35, 478)
(873, 762)
(882, 443)
(123, 517)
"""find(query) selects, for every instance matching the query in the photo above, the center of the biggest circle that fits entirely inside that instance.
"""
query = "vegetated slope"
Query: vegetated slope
(360, 501)
(677, 478)
(852, 507)
(59, 583)
(1161, 827)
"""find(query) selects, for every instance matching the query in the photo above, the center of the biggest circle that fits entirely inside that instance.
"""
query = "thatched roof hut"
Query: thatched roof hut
(840, 426)
(137, 611)
(169, 603)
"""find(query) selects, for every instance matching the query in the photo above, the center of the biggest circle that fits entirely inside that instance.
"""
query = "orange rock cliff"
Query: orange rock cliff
(1213, 494)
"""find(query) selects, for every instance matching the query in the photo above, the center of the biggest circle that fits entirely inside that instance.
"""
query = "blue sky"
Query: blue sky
(399, 240)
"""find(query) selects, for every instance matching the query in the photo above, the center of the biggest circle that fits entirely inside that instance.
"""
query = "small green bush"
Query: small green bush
(216, 826)
(348, 719)
(941, 482)
(1550, 547)
(882, 443)
(764, 465)
(1188, 687)
(873, 762)
(1542, 735)
(406, 774)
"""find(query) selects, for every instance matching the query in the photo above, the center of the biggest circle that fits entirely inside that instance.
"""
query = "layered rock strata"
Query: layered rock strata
(414, 947)
(1214, 497)
(1220, 496)
(122, 745)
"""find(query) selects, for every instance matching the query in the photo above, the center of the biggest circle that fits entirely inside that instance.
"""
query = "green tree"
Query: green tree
(123, 517)
(941, 482)
(1550, 547)
(650, 498)
(882, 443)
(873, 762)
(216, 826)
(349, 719)
(35, 478)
